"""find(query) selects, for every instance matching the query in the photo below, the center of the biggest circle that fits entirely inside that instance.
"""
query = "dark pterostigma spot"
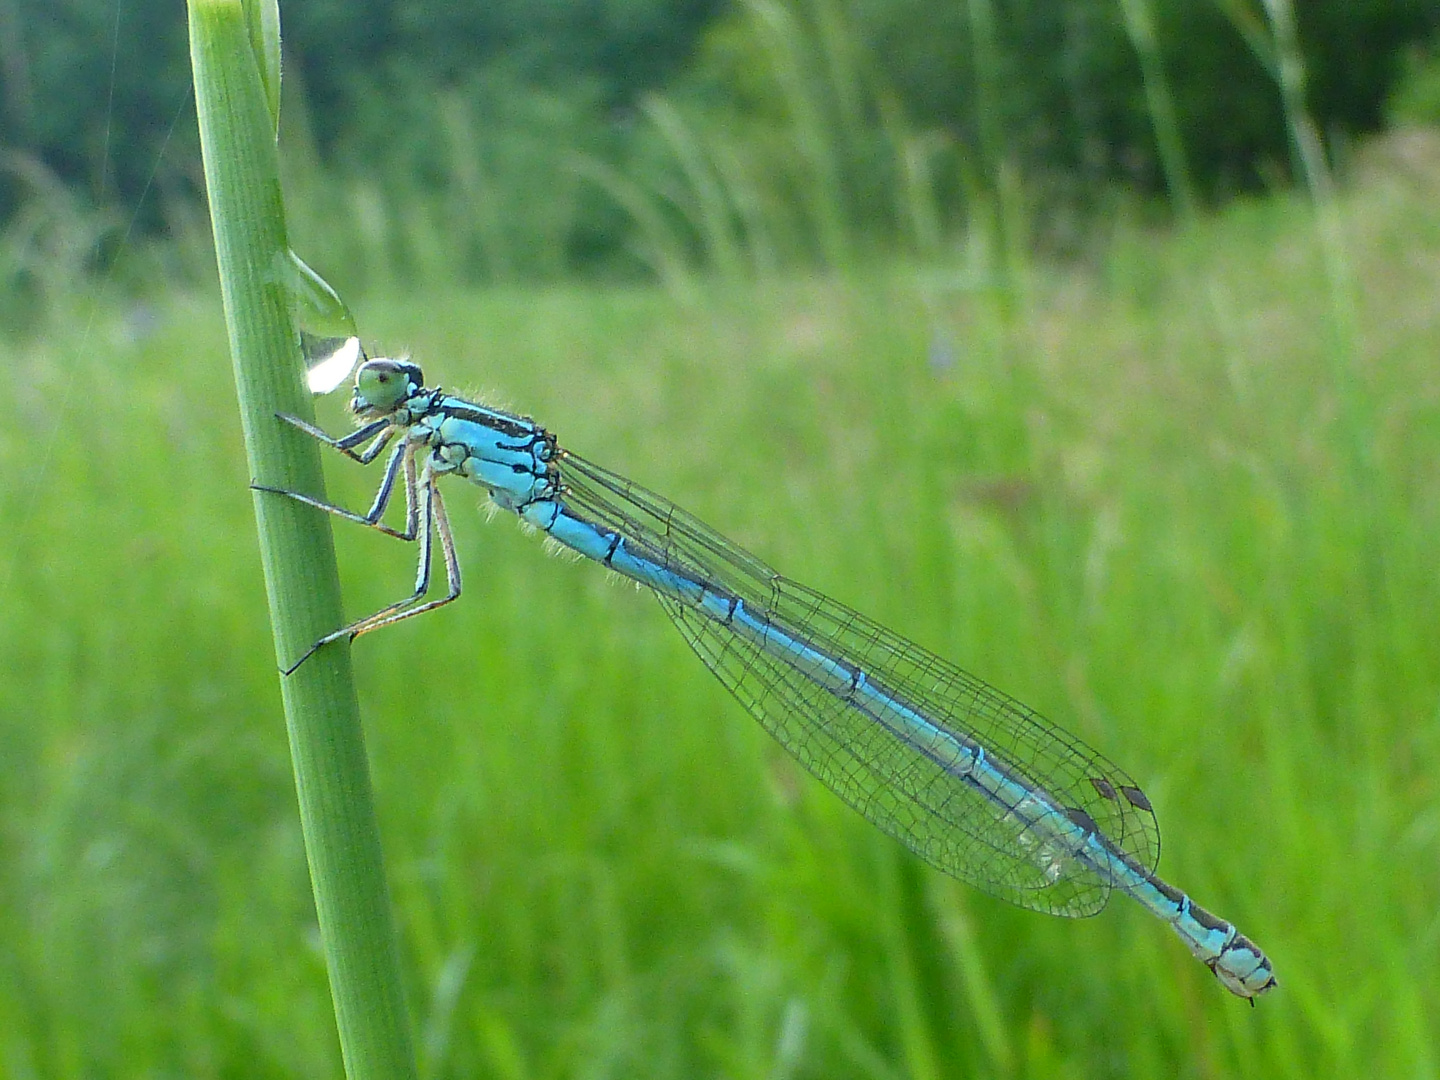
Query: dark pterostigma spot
(1137, 797)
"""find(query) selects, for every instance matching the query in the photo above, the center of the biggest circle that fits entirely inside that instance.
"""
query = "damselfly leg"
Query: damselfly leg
(424, 513)
(381, 430)
(433, 510)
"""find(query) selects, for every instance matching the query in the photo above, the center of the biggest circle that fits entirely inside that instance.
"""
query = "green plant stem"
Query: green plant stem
(785, 49)
(1164, 120)
(237, 132)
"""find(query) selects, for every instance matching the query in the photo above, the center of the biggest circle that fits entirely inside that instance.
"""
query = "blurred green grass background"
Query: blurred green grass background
(1180, 499)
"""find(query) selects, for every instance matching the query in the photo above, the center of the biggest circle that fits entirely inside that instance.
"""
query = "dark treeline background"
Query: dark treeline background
(583, 129)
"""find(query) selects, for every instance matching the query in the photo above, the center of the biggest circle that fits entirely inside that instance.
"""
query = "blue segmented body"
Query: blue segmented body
(970, 779)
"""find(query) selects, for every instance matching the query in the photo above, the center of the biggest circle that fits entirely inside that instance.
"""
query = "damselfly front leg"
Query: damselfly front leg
(403, 456)
(382, 430)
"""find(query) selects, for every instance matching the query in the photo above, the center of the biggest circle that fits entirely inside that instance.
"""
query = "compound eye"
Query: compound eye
(382, 384)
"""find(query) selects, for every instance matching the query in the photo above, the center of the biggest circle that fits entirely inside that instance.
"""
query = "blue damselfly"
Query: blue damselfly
(971, 780)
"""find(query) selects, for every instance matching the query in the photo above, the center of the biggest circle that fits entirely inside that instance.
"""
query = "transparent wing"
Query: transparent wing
(940, 814)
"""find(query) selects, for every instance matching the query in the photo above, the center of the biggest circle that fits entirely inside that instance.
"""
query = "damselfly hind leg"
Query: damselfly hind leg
(424, 507)
(427, 510)
(433, 512)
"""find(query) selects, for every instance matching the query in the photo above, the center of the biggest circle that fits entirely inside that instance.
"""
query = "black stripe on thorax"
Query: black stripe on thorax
(513, 426)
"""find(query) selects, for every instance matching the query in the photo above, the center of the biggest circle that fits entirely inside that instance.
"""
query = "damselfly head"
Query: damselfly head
(384, 384)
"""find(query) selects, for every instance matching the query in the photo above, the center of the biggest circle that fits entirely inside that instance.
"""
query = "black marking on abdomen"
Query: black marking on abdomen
(1205, 919)
(1174, 895)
